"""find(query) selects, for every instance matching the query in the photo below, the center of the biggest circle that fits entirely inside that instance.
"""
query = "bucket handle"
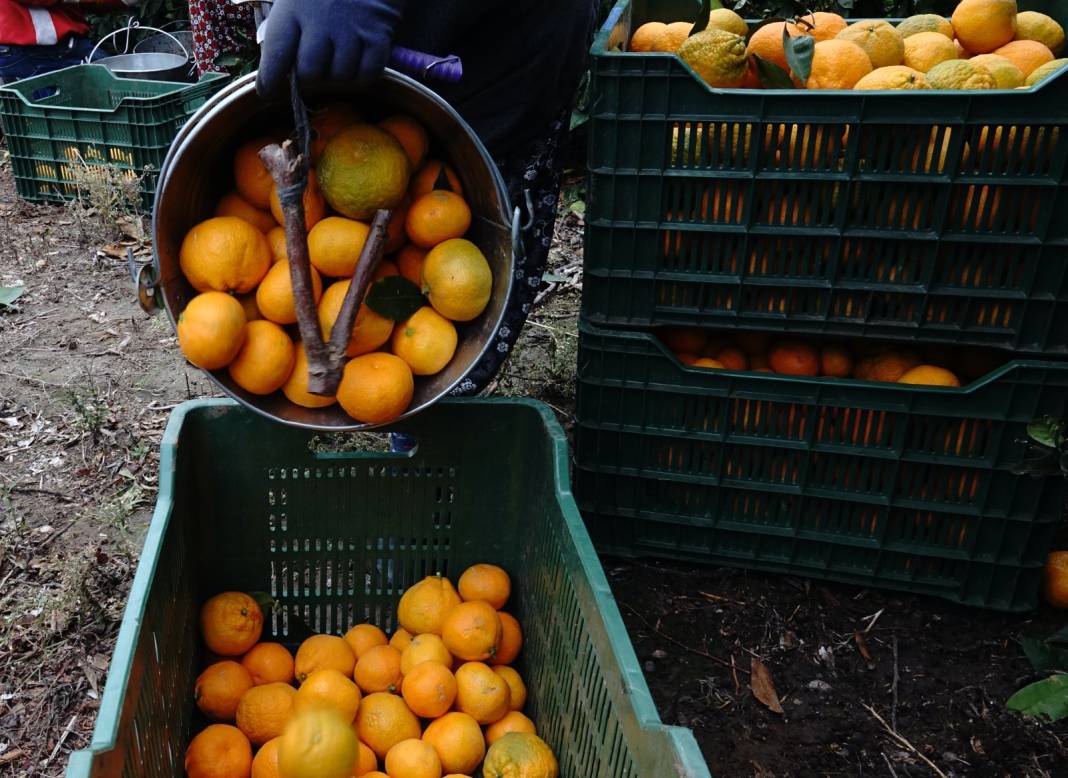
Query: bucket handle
(130, 27)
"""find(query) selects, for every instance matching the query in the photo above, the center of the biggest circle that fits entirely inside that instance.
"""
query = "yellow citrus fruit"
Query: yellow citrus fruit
(960, 74)
(265, 765)
(893, 77)
(766, 42)
(1055, 579)
(881, 42)
(411, 135)
(1026, 55)
(327, 688)
(218, 751)
(269, 663)
(413, 758)
(485, 582)
(328, 122)
(458, 741)
(717, 56)
(837, 64)
(1040, 74)
(366, 761)
(211, 330)
(644, 38)
(335, 243)
(437, 217)
(728, 21)
(265, 360)
(1035, 26)
(230, 623)
(426, 180)
(317, 743)
(517, 689)
(513, 721)
(323, 651)
(983, 25)
(924, 50)
(822, 26)
(424, 648)
(511, 640)
(429, 689)
(274, 297)
(296, 388)
(233, 204)
(264, 711)
(472, 631)
(401, 639)
(224, 254)
(925, 23)
(276, 241)
(379, 670)
(410, 262)
(457, 279)
(383, 721)
(426, 340)
(251, 176)
(219, 688)
(369, 331)
(363, 169)
(423, 606)
(363, 637)
(929, 375)
(376, 388)
(481, 693)
(1005, 73)
(523, 755)
(672, 36)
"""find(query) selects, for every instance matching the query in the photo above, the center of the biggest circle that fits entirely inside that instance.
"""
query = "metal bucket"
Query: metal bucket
(149, 67)
(180, 42)
(197, 172)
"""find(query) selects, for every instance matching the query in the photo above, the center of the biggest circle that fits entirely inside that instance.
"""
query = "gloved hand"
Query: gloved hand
(328, 40)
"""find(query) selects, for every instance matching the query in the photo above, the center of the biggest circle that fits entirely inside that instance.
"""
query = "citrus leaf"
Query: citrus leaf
(1045, 431)
(771, 75)
(1047, 698)
(395, 297)
(1043, 655)
(8, 295)
(266, 602)
(700, 24)
(799, 52)
(442, 181)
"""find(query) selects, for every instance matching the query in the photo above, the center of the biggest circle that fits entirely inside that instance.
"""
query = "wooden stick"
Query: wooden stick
(901, 741)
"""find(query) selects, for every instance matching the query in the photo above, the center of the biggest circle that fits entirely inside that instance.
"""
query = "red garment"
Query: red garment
(219, 28)
(28, 24)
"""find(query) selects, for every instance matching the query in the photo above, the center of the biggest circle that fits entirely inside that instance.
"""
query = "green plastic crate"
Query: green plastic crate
(884, 485)
(925, 216)
(85, 115)
(336, 538)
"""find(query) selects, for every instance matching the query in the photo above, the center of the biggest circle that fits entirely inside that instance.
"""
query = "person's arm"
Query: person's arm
(327, 40)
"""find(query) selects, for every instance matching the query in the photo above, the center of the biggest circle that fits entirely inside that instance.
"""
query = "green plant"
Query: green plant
(1047, 448)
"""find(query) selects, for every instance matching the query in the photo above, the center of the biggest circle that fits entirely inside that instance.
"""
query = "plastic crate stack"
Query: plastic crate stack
(926, 219)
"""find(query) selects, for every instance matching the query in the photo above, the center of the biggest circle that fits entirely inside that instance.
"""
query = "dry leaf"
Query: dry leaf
(862, 647)
(763, 687)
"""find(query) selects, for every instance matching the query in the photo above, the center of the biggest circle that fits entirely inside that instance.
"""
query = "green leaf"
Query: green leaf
(771, 75)
(1045, 431)
(8, 295)
(700, 24)
(578, 118)
(395, 297)
(578, 207)
(799, 52)
(266, 602)
(1047, 698)
(1043, 655)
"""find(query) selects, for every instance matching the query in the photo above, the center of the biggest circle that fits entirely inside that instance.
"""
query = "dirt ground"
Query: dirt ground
(86, 385)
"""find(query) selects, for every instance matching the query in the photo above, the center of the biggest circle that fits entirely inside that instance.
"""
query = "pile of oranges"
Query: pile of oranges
(759, 352)
(437, 698)
(242, 319)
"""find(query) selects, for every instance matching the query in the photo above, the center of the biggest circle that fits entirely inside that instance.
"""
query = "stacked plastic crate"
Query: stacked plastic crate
(934, 219)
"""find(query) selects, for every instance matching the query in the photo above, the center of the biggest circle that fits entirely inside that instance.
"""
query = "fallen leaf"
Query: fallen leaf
(862, 647)
(763, 686)
(8, 295)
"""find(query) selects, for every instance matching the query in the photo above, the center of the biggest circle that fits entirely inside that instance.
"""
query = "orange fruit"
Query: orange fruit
(363, 637)
(426, 340)
(323, 651)
(517, 689)
(423, 606)
(929, 375)
(837, 64)
(686, 340)
(376, 388)
(327, 123)
(888, 367)
(369, 331)
(327, 688)
(925, 23)
(264, 710)
(521, 753)
(767, 43)
(411, 135)
(383, 721)
(334, 245)
(645, 36)
(688, 359)
(253, 181)
(211, 330)
(427, 179)
(1034, 26)
(363, 169)
(881, 42)
(379, 670)
(224, 254)
(1026, 55)
(488, 583)
(511, 640)
(429, 689)
(396, 234)
(274, 298)
(314, 204)
(1055, 579)
(835, 361)
(732, 359)
(296, 388)
(366, 761)
(458, 741)
(472, 631)
(218, 751)
(424, 648)
(233, 204)
(791, 357)
(410, 262)
(983, 25)
(924, 50)
(219, 688)
(385, 269)
(672, 36)
(436, 217)
(513, 721)
(401, 639)
(709, 363)
(317, 743)
(276, 241)
(413, 759)
(457, 279)
(265, 764)
(230, 623)
(269, 663)
(822, 25)
(481, 693)
(265, 360)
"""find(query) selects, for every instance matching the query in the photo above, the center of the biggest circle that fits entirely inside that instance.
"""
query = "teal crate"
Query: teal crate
(59, 122)
(883, 485)
(920, 216)
(337, 537)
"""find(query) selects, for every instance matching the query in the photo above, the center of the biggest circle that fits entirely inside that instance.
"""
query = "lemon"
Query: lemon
(362, 169)
(717, 56)
(960, 74)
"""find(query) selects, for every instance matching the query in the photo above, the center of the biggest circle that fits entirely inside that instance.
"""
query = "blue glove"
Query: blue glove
(327, 40)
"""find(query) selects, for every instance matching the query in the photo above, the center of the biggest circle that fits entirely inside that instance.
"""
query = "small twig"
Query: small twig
(893, 688)
(889, 766)
(874, 618)
(901, 741)
(62, 738)
(10, 756)
(734, 675)
(670, 639)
